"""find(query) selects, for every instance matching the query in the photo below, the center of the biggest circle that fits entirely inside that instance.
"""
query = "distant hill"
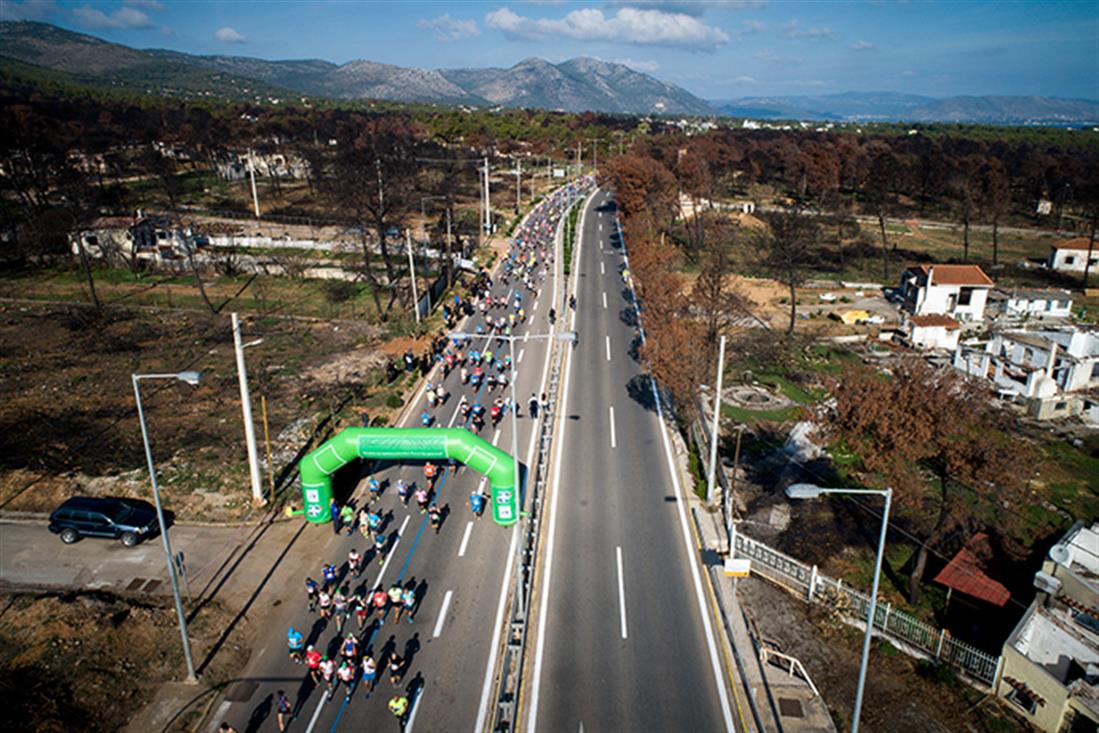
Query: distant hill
(577, 85)
(891, 106)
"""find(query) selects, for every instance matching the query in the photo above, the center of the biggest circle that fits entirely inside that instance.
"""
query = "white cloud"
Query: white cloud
(642, 65)
(124, 17)
(628, 25)
(694, 8)
(863, 46)
(27, 10)
(225, 34)
(771, 57)
(147, 4)
(745, 79)
(794, 29)
(450, 29)
(753, 26)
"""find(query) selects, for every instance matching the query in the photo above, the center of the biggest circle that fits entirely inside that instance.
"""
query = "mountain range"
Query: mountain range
(892, 106)
(38, 52)
(577, 85)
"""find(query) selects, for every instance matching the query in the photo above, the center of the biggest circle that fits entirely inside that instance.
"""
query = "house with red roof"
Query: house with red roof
(1072, 255)
(958, 291)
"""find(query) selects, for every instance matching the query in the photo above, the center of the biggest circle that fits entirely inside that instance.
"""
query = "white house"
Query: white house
(1025, 303)
(933, 332)
(1052, 371)
(1071, 255)
(958, 291)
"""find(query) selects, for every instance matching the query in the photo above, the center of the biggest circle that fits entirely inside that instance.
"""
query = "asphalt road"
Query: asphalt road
(624, 636)
(461, 573)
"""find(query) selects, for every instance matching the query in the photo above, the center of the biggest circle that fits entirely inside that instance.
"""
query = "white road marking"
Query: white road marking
(540, 645)
(535, 306)
(465, 539)
(498, 628)
(608, 348)
(602, 269)
(442, 614)
(317, 712)
(519, 359)
(604, 300)
(621, 593)
(600, 226)
(496, 438)
(614, 441)
(392, 551)
(412, 714)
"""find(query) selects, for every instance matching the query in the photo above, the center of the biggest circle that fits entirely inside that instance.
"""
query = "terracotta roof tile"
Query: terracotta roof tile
(1075, 243)
(956, 275)
(933, 320)
(964, 574)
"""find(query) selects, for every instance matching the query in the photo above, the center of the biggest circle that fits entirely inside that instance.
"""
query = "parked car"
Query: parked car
(86, 516)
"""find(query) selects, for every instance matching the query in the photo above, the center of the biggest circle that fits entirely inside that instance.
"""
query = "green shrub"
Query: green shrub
(393, 401)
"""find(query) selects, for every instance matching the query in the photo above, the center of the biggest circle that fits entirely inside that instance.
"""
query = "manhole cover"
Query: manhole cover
(242, 691)
(790, 708)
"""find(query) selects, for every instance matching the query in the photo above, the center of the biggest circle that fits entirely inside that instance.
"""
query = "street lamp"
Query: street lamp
(192, 378)
(812, 491)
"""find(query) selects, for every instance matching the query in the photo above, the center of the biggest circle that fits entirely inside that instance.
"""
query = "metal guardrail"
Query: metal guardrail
(898, 625)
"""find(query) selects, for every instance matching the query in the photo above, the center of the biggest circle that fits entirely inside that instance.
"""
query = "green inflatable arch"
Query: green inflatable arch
(408, 444)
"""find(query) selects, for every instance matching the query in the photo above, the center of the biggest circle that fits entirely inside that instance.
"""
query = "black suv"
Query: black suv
(86, 516)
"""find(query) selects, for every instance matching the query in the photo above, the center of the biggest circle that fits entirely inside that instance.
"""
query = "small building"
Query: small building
(105, 238)
(1019, 303)
(1071, 255)
(958, 291)
(1051, 371)
(1049, 671)
(933, 332)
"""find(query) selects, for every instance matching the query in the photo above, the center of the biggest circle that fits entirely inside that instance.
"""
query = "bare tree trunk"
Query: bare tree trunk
(996, 239)
(370, 280)
(793, 315)
(965, 236)
(86, 264)
(884, 248)
(920, 565)
(198, 281)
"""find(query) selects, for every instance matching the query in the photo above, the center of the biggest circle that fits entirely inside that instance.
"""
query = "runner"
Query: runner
(477, 502)
(373, 521)
(380, 543)
(408, 600)
(296, 644)
(354, 562)
(325, 602)
(435, 514)
(346, 675)
(349, 649)
(311, 589)
(422, 498)
(370, 673)
(398, 705)
(328, 674)
(402, 490)
(379, 599)
(329, 573)
(394, 594)
(347, 518)
(313, 662)
(430, 472)
(361, 608)
(339, 607)
(396, 668)
(283, 709)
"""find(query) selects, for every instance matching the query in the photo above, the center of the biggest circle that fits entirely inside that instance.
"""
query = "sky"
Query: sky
(716, 49)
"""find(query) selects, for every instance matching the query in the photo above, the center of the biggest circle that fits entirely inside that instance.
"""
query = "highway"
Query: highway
(462, 576)
(624, 636)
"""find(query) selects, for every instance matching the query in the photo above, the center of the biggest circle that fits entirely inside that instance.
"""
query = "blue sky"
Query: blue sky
(718, 49)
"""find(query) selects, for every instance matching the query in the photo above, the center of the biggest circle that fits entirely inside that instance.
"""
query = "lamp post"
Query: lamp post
(812, 491)
(191, 378)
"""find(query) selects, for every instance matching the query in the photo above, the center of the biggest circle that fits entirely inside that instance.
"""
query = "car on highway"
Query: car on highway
(127, 520)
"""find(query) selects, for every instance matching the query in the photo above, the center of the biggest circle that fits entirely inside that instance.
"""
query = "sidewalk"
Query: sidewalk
(780, 701)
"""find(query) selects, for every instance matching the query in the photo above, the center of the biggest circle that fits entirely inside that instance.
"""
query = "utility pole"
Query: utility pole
(412, 273)
(449, 262)
(252, 176)
(518, 174)
(246, 412)
(717, 421)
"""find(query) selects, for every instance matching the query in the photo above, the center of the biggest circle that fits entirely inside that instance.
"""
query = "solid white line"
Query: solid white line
(465, 539)
(496, 438)
(608, 348)
(498, 627)
(519, 359)
(535, 306)
(392, 551)
(715, 665)
(600, 226)
(621, 593)
(317, 712)
(412, 714)
(540, 645)
(602, 269)
(442, 615)
(604, 300)
(614, 441)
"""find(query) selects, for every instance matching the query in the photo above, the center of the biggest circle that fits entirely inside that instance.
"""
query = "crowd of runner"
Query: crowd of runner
(344, 602)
